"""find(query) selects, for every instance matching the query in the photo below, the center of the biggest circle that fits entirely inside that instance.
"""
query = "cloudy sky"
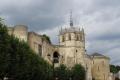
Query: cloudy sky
(100, 19)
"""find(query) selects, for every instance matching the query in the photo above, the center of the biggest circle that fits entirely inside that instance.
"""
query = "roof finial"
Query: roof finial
(71, 19)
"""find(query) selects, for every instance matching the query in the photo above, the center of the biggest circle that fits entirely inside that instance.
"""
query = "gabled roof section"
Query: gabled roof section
(87, 56)
(99, 55)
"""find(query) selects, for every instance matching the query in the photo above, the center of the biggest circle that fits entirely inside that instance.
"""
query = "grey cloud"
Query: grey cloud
(47, 15)
(100, 18)
(106, 3)
(109, 48)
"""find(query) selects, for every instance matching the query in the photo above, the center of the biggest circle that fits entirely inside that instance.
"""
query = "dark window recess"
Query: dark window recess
(56, 57)
(98, 68)
(69, 37)
(77, 37)
(63, 39)
(40, 50)
(76, 51)
(103, 63)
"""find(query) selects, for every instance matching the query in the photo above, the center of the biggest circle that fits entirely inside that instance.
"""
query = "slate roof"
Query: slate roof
(99, 55)
(88, 56)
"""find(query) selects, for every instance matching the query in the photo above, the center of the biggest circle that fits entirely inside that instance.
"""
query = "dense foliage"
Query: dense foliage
(4, 45)
(114, 69)
(77, 72)
(47, 38)
(18, 61)
(62, 73)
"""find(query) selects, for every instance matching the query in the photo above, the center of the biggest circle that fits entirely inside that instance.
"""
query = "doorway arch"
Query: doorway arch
(56, 57)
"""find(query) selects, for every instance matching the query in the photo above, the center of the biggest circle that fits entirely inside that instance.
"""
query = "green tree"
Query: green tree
(25, 64)
(61, 72)
(47, 38)
(114, 68)
(4, 45)
(78, 72)
(18, 61)
(118, 68)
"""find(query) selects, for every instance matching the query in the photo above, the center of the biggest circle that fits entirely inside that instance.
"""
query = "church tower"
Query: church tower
(72, 39)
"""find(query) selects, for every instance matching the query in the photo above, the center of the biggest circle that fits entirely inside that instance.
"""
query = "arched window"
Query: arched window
(56, 57)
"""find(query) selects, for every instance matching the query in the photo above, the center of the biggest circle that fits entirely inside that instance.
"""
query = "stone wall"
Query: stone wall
(88, 67)
(41, 46)
(35, 42)
(19, 31)
(100, 68)
(72, 41)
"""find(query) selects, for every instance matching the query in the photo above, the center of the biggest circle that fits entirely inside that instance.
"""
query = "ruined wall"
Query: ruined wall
(48, 50)
(10, 30)
(35, 42)
(41, 46)
(19, 31)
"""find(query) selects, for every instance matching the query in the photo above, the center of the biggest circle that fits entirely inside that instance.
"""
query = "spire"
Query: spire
(71, 19)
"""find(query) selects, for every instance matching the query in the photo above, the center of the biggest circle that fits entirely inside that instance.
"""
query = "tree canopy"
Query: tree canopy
(78, 72)
(47, 38)
(18, 61)
(114, 68)
(62, 72)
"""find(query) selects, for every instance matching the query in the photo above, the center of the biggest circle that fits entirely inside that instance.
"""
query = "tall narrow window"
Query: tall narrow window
(93, 61)
(103, 63)
(98, 68)
(77, 36)
(40, 50)
(35, 45)
(69, 37)
(63, 39)
(81, 37)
